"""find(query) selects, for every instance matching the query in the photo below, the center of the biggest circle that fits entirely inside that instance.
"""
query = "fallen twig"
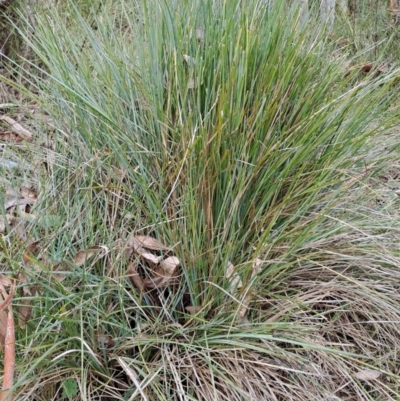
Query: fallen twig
(18, 128)
(9, 345)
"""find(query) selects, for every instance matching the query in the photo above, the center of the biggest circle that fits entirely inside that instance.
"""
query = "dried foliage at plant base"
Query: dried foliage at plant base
(160, 269)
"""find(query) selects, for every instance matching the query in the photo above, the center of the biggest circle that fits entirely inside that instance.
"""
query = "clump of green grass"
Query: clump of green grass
(235, 137)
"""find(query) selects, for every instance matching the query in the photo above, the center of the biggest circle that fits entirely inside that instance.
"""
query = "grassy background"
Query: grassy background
(238, 138)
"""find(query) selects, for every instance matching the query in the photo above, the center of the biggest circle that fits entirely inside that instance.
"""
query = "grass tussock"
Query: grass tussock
(224, 172)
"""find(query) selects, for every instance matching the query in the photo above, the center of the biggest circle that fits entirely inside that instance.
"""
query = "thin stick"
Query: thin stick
(9, 348)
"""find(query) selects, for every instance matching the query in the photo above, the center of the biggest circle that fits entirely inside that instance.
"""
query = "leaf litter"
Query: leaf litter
(145, 241)
(153, 267)
(150, 271)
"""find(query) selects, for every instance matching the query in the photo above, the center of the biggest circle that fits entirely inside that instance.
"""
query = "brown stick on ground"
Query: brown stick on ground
(9, 348)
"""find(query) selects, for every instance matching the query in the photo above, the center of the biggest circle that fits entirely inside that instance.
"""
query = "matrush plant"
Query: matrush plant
(207, 224)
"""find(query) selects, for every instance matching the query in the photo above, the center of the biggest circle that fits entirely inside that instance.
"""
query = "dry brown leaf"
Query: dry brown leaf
(164, 271)
(17, 128)
(28, 193)
(32, 247)
(257, 265)
(29, 251)
(82, 256)
(26, 291)
(5, 281)
(59, 270)
(149, 257)
(367, 67)
(18, 202)
(134, 277)
(10, 137)
(229, 270)
(236, 281)
(168, 266)
(11, 193)
(193, 309)
(156, 282)
(24, 312)
(367, 374)
(144, 241)
(20, 231)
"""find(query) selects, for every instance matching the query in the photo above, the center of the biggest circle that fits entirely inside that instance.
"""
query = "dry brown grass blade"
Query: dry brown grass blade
(132, 375)
(9, 343)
